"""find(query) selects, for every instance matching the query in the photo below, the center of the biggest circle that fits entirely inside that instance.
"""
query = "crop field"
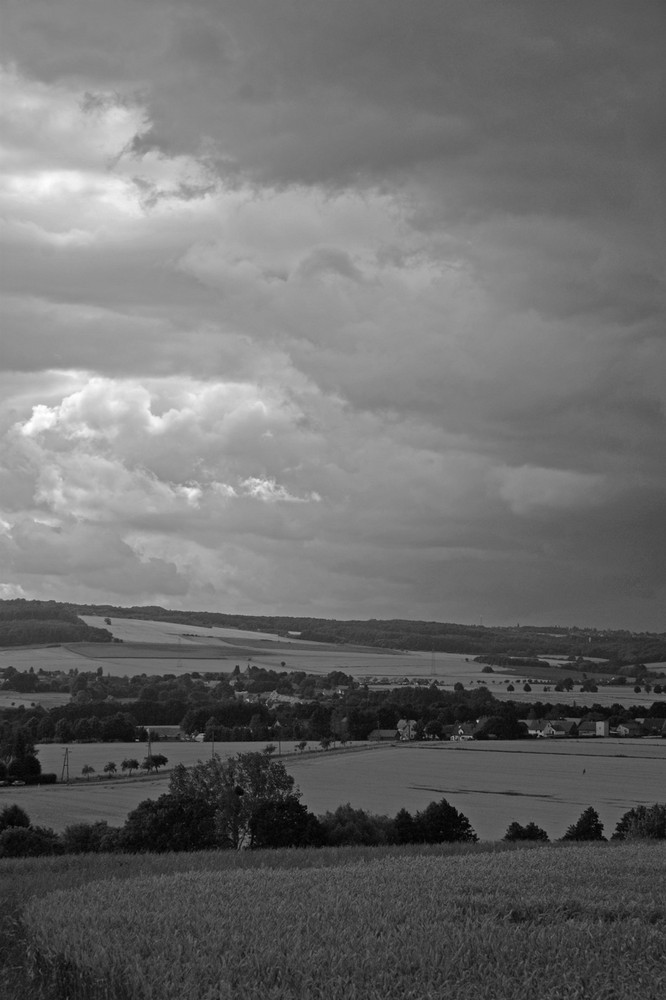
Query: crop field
(493, 784)
(46, 699)
(560, 924)
(154, 647)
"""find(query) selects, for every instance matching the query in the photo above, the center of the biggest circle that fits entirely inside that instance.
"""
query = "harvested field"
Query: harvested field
(154, 647)
(491, 783)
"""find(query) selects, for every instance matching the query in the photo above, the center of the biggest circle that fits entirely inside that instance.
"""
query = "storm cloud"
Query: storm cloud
(346, 309)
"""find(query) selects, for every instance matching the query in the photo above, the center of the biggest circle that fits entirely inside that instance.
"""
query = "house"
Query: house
(593, 728)
(406, 729)
(464, 731)
(273, 698)
(165, 732)
(383, 735)
(559, 728)
(630, 728)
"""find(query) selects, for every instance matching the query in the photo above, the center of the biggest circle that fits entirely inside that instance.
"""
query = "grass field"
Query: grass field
(491, 783)
(584, 922)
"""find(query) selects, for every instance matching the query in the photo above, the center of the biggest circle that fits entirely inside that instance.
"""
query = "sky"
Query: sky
(342, 309)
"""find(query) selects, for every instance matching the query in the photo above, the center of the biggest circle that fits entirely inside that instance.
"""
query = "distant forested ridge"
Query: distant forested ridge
(27, 623)
(619, 647)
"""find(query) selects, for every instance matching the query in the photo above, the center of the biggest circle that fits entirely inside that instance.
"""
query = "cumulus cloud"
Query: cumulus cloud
(333, 307)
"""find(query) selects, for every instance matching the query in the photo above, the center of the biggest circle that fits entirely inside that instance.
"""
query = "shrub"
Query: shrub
(347, 826)
(28, 842)
(90, 838)
(529, 832)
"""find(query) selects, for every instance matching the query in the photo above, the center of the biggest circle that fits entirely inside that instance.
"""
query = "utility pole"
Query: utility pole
(65, 766)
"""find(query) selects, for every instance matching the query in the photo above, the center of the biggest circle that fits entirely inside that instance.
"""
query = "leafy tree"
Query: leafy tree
(129, 764)
(347, 826)
(441, 823)
(234, 789)
(529, 832)
(110, 768)
(170, 823)
(587, 827)
(502, 727)
(647, 822)
(89, 838)
(13, 815)
(434, 729)
(285, 824)
(301, 746)
(87, 770)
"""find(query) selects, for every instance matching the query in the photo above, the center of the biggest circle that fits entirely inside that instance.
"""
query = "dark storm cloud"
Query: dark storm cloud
(370, 295)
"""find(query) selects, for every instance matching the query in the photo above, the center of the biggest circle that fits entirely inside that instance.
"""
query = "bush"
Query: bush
(47, 779)
(90, 838)
(28, 842)
(348, 826)
(13, 816)
(588, 827)
(647, 822)
(529, 832)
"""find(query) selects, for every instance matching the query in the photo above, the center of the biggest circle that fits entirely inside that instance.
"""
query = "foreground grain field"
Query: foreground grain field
(563, 924)
(491, 783)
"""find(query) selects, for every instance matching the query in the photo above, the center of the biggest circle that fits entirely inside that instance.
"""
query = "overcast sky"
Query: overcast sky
(344, 308)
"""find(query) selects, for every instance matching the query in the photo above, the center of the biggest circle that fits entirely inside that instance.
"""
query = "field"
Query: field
(585, 921)
(46, 699)
(153, 648)
(491, 783)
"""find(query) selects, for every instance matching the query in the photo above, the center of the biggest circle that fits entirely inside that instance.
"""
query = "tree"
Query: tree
(13, 815)
(87, 770)
(301, 746)
(441, 823)
(647, 822)
(587, 827)
(529, 832)
(153, 762)
(129, 764)
(110, 768)
(403, 828)
(235, 789)
(285, 824)
(89, 838)
(349, 826)
(170, 823)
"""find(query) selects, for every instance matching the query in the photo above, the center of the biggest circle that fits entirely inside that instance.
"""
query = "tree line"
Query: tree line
(250, 802)
(619, 646)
